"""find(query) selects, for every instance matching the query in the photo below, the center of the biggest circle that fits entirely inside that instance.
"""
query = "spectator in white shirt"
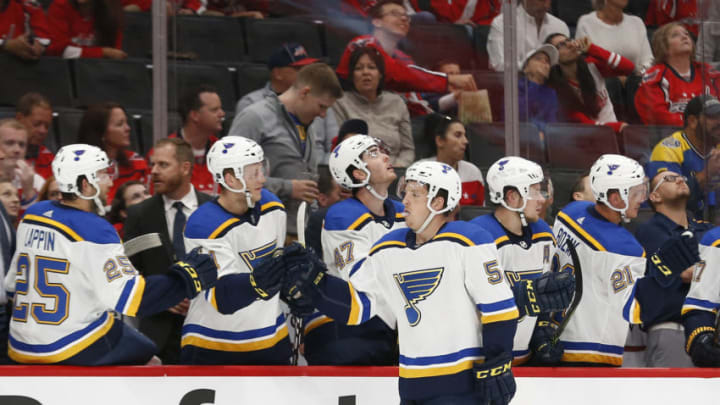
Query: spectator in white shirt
(534, 24)
(617, 32)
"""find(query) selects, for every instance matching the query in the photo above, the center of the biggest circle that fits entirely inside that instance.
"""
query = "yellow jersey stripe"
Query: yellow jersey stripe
(592, 358)
(435, 371)
(55, 224)
(137, 296)
(455, 236)
(636, 312)
(505, 316)
(501, 239)
(581, 231)
(222, 227)
(271, 204)
(267, 343)
(544, 235)
(213, 299)
(355, 307)
(317, 323)
(74, 349)
(384, 244)
(360, 220)
(716, 243)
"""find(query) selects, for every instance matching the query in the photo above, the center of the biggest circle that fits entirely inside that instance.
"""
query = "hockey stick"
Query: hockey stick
(295, 321)
(142, 243)
(578, 292)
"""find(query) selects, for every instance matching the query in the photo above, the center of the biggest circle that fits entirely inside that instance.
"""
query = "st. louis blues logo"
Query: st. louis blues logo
(78, 153)
(415, 286)
(502, 164)
(336, 152)
(227, 146)
(611, 169)
(445, 169)
(253, 257)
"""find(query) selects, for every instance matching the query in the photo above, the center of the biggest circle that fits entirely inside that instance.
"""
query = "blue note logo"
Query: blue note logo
(445, 169)
(416, 286)
(78, 153)
(227, 146)
(502, 164)
(611, 169)
(336, 152)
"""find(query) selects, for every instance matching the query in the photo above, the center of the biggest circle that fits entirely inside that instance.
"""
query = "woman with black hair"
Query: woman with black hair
(449, 141)
(386, 113)
(106, 126)
(86, 29)
(579, 80)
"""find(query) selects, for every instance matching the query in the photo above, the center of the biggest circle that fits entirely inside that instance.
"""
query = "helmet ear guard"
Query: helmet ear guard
(80, 160)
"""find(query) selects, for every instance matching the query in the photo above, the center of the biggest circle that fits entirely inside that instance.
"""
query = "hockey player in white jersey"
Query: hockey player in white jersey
(525, 246)
(612, 261)
(240, 321)
(70, 275)
(442, 283)
(350, 229)
(702, 304)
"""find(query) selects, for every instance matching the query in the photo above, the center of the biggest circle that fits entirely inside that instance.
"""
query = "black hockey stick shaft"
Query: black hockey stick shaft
(578, 290)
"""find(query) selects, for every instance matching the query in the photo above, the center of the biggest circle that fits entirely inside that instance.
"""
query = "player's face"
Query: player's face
(9, 198)
(454, 143)
(38, 124)
(254, 175)
(313, 106)
(105, 183)
(617, 3)
(636, 196)
(394, 19)
(366, 76)
(210, 116)
(378, 163)
(535, 203)
(117, 134)
(166, 171)
(679, 41)
(415, 201)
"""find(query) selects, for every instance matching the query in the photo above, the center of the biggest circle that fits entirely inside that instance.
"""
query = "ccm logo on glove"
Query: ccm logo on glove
(494, 372)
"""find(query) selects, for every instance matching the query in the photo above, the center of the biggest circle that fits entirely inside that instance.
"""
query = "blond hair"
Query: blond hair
(661, 43)
(321, 79)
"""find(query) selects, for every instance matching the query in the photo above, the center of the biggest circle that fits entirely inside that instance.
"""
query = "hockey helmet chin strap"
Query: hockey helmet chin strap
(248, 195)
(95, 198)
(375, 194)
(520, 211)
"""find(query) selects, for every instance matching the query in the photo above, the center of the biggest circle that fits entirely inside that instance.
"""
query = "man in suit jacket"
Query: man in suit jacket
(165, 213)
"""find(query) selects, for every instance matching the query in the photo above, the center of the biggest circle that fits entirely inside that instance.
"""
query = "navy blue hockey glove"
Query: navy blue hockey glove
(266, 278)
(703, 351)
(547, 350)
(550, 292)
(494, 380)
(197, 271)
(304, 275)
(673, 257)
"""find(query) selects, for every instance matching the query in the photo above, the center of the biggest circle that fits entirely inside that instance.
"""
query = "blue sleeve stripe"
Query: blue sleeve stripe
(702, 303)
(365, 306)
(356, 266)
(122, 301)
(444, 358)
(629, 304)
(497, 306)
(221, 334)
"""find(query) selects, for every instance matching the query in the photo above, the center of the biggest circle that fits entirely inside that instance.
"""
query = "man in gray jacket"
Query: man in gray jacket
(284, 65)
(281, 126)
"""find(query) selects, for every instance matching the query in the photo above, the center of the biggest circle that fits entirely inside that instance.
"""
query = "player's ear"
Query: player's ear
(359, 174)
(438, 203)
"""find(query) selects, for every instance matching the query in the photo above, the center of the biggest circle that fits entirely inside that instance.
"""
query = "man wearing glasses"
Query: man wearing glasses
(692, 152)
(666, 339)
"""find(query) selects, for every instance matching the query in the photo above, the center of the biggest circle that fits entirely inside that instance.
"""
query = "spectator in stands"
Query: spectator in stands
(173, 7)
(538, 103)
(463, 11)
(708, 44)
(237, 8)
(127, 195)
(329, 193)
(534, 24)
(35, 112)
(10, 200)
(13, 142)
(665, 345)
(7, 249)
(692, 152)
(449, 141)
(24, 29)
(385, 113)
(624, 34)
(165, 213)
(86, 29)
(579, 80)
(391, 24)
(280, 125)
(446, 103)
(284, 64)
(581, 190)
(661, 12)
(350, 128)
(674, 79)
(105, 125)
(49, 190)
(202, 115)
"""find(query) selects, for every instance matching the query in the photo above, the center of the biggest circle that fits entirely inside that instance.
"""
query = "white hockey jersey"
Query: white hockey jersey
(612, 260)
(440, 293)
(68, 274)
(524, 257)
(704, 294)
(236, 244)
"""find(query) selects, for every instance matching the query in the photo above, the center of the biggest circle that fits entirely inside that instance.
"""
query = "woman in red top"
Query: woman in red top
(105, 125)
(86, 29)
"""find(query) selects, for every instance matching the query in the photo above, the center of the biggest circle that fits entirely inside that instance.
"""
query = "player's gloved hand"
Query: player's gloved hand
(673, 257)
(305, 274)
(197, 270)
(494, 380)
(547, 351)
(550, 292)
(266, 277)
(703, 351)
